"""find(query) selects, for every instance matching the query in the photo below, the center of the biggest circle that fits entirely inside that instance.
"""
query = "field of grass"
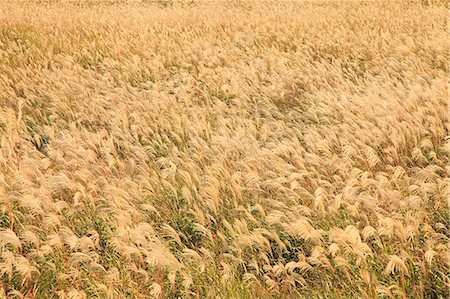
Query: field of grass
(224, 149)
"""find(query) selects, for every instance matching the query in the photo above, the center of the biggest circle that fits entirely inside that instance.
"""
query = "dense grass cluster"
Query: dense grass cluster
(224, 149)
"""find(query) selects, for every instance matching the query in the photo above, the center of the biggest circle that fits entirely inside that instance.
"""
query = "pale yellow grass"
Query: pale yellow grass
(224, 149)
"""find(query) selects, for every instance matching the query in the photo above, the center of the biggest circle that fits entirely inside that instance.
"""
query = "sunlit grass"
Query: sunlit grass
(224, 149)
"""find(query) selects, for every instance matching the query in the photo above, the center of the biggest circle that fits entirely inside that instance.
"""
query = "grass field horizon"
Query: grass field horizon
(224, 149)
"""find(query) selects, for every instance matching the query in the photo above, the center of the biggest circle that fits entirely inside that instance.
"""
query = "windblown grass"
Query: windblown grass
(224, 149)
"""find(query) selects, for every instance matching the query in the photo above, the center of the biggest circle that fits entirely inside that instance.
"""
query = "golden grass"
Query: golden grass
(224, 149)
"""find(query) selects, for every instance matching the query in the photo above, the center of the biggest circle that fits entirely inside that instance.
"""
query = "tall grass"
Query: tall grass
(224, 149)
